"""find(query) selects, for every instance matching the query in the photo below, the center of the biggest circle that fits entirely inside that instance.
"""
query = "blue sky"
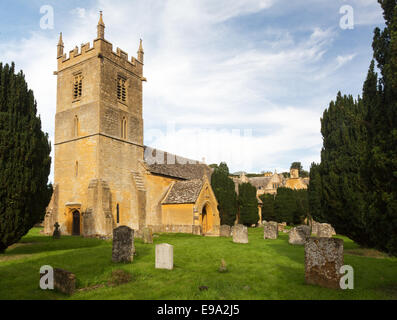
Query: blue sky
(241, 81)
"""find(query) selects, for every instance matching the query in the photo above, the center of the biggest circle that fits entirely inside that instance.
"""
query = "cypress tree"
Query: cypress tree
(285, 205)
(225, 193)
(248, 204)
(24, 159)
(344, 143)
(314, 193)
(268, 207)
(380, 171)
(358, 171)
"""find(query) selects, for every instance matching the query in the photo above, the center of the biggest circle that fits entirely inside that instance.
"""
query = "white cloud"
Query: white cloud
(204, 75)
(79, 12)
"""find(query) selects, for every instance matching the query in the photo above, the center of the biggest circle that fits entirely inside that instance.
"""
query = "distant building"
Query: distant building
(270, 182)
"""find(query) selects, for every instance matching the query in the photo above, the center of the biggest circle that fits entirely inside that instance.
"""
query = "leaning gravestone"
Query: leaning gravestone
(123, 244)
(225, 231)
(164, 256)
(57, 232)
(323, 260)
(270, 230)
(299, 235)
(64, 281)
(240, 234)
(147, 235)
(324, 230)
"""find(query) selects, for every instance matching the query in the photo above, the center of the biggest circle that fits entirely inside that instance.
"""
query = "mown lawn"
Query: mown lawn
(262, 269)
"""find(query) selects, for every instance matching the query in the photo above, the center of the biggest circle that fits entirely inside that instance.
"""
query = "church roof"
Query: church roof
(167, 164)
(184, 192)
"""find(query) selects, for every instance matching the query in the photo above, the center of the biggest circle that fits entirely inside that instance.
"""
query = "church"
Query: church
(104, 175)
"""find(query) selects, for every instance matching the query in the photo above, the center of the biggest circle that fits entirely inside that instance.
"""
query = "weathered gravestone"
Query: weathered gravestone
(123, 244)
(64, 281)
(57, 232)
(225, 231)
(270, 230)
(299, 235)
(324, 230)
(240, 234)
(323, 260)
(147, 235)
(315, 227)
(164, 256)
(281, 226)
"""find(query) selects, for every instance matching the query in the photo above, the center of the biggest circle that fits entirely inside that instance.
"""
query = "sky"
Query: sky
(240, 81)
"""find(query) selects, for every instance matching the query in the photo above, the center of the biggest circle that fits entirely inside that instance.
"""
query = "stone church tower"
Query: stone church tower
(104, 176)
(98, 139)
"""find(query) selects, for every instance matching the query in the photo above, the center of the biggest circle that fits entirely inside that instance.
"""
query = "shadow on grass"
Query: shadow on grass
(45, 244)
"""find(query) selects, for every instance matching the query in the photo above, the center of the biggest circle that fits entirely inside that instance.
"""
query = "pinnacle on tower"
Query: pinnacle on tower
(60, 46)
(140, 52)
(101, 27)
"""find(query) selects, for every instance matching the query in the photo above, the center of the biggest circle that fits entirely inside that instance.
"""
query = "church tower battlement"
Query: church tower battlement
(98, 136)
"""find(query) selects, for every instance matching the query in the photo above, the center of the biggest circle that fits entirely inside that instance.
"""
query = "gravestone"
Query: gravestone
(270, 230)
(324, 230)
(147, 235)
(240, 234)
(164, 256)
(225, 231)
(323, 260)
(64, 281)
(315, 227)
(57, 232)
(299, 235)
(123, 244)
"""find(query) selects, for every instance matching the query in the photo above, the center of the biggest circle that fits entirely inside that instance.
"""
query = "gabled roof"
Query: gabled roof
(184, 192)
(167, 164)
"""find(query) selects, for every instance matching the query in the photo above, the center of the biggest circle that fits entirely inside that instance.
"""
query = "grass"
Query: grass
(262, 269)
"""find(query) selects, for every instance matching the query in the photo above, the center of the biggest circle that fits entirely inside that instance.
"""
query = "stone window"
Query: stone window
(121, 89)
(124, 128)
(76, 169)
(77, 86)
(76, 126)
(118, 213)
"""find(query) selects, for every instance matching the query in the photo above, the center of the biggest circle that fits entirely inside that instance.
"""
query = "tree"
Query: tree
(380, 170)
(248, 204)
(285, 205)
(358, 170)
(24, 159)
(314, 193)
(343, 190)
(296, 165)
(268, 207)
(225, 193)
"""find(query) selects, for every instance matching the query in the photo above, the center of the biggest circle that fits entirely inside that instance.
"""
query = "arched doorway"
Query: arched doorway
(76, 223)
(206, 219)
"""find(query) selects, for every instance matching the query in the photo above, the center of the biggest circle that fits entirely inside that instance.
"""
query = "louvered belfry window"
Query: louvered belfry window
(121, 89)
(77, 86)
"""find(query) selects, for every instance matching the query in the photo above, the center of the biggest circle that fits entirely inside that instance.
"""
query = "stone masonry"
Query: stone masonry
(164, 256)
(299, 235)
(123, 244)
(240, 234)
(225, 231)
(323, 260)
(270, 230)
